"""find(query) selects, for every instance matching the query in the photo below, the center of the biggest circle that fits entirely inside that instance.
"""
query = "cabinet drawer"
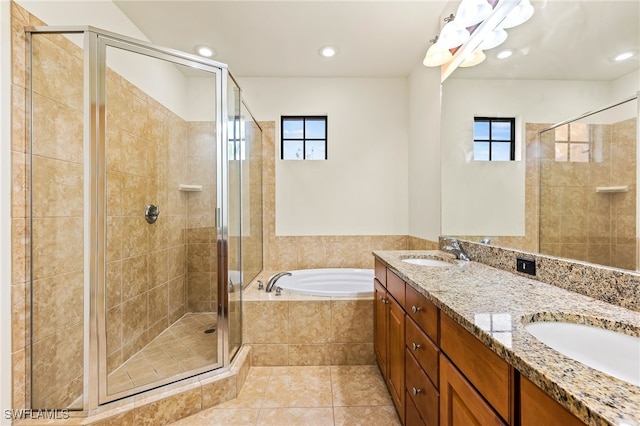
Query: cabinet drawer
(412, 416)
(395, 286)
(423, 349)
(422, 311)
(380, 272)
(486, 371)
(421, 391)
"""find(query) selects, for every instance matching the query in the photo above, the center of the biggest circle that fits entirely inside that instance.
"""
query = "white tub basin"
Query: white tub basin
(427, 262)
(616, 354)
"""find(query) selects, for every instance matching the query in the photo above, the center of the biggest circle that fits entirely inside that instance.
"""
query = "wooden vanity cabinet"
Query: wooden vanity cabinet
(460, 403)
(538, 408)
(389, 324)
(482, 368)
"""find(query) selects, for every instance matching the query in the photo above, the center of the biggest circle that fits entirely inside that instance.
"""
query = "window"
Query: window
(572, 143)
(303, 138)
(494, 139)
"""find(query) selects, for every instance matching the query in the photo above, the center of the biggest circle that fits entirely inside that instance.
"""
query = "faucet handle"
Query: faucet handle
(260, 285)
(278, 291)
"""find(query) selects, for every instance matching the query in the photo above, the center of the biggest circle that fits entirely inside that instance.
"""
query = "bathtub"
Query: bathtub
(334, 282)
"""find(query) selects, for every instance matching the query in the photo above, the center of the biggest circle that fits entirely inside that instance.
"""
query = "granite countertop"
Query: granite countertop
(494, 305)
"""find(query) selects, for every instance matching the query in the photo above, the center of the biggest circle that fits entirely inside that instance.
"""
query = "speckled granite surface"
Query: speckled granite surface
(494, 305)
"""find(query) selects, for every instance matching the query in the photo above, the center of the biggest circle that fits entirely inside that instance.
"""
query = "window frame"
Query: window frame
(491, 141)
(304, 139)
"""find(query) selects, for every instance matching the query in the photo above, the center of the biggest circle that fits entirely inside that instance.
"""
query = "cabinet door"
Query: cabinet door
(460, 403)
(380, 324)
(537, 408)
(395, 377)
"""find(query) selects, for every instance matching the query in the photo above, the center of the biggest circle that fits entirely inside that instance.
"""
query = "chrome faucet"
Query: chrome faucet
(273, 279)
(456, 249)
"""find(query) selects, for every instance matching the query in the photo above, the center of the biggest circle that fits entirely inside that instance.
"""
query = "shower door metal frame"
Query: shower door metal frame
(96, 42)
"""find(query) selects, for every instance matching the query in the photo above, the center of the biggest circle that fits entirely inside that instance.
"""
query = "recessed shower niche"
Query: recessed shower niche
(123, 132)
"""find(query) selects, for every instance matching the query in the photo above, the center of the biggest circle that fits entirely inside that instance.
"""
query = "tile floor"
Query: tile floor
(306, 396)
(181, 347)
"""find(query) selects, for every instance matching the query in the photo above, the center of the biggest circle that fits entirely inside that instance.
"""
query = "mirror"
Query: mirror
(561, 67)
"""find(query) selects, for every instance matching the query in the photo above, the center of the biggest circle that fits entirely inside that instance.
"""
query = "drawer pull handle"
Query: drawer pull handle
(416, 346)
(416, 391)
(415, 309)
(384, 300)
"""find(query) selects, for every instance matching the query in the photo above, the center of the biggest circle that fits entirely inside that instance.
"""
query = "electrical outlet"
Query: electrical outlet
(526, 266)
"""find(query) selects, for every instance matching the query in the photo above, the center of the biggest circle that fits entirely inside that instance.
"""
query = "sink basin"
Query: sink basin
(427, 262)
(616, 354)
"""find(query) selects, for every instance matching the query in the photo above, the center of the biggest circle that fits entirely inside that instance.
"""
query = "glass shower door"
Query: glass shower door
(161, 265)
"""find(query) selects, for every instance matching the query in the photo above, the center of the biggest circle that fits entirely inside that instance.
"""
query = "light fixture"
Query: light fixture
(623, 56)
(474, 59)
(328, 51)
(436, 55)
(453, 34)
(205, 51)
(504, 54)
(493, 39)
(472, 12)
(518, 15)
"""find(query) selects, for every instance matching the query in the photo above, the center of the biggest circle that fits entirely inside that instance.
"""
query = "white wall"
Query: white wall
(362, 189)
(625, 87)
(163, 81)
(5, 209)
(424, 153)
(487, 198)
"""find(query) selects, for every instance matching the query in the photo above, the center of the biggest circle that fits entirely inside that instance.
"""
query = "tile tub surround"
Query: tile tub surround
(294, 329)
(473, 294)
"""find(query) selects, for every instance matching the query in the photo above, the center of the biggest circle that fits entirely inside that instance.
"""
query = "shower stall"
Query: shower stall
(145, 215)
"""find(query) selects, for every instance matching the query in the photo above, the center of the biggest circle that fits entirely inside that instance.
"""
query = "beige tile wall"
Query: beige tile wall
(303, 332)
(146, 263)
(55, 341)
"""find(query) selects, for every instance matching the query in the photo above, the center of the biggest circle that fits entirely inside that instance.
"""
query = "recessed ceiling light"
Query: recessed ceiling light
(328, 51)
(205, 51)
(623, 56)
(505, 54)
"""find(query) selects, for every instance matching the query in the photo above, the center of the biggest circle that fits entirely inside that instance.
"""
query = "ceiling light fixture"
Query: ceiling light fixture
(328, 51)
(504, 54)
(474, 59)
(623, 56)
(472, 12)
(453, 34)
(493, 39)
(436, 55)
(205, 51)
(518, 16)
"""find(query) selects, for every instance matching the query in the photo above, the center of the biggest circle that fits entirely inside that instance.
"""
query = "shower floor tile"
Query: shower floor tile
(278, 395)
(183, 346)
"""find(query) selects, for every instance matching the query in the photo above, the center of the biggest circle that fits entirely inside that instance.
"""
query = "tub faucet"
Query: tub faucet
(456, 249)
(273, 279)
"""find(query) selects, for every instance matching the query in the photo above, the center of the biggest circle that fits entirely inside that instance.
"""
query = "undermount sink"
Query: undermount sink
(616, 354)
(427, 262)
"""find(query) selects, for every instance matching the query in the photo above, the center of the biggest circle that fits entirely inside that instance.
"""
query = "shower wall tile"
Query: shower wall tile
(49, 295)
(19, 316)
(57, 245)
(19, 394)
(19, 251)
(58, 188)
(19, 188)
(18, 119)
(57, 128)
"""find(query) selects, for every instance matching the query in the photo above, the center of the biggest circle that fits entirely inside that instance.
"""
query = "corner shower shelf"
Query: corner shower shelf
(190, 188)
(612, 189)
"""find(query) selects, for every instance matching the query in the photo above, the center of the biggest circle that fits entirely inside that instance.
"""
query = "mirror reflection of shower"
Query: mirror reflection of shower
(588, 188)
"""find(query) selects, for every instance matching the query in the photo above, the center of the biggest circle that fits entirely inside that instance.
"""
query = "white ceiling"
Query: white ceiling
(388, 38)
